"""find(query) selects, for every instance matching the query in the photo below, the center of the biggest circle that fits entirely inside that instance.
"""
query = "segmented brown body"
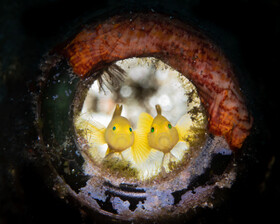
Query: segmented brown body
(177, 44)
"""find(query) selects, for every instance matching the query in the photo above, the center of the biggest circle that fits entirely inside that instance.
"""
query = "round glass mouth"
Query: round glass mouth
(141, 87)
(129, 137)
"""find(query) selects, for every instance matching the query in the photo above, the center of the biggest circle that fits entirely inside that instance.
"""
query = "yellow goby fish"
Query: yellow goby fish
(158, 134)
(163, 136)
(118, 135)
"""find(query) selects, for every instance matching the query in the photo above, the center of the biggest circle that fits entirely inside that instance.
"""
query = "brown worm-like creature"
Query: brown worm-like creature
(178, 45)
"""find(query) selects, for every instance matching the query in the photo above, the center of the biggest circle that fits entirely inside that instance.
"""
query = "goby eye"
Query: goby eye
(169, 126)
(114, 128)
(152, 129)
(130, 129)
(94, 175)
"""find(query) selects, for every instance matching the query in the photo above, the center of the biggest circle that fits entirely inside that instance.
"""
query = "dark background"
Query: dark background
(248, 31)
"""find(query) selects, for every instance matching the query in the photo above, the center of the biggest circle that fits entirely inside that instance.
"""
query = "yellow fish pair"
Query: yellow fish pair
(151, 133)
